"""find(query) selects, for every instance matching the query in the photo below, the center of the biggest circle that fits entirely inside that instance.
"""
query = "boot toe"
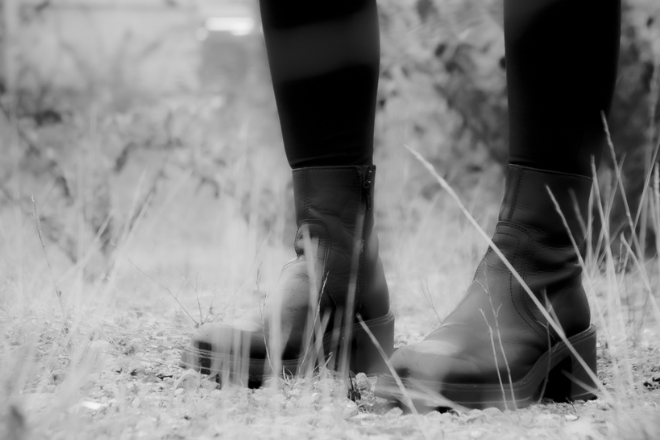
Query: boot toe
(219, 344)
(435, 361)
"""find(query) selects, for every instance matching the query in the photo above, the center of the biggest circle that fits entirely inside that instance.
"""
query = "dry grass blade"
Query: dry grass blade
(614, 305)
(650, 297)
(408, 400)
(349, 310)
(314, 301)
(499, 339)
(174, 297)
(497, 367)
(383, 355)
(58, 292)
(619, 181)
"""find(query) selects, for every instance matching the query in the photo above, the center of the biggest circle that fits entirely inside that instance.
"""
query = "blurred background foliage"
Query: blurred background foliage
(108, 105)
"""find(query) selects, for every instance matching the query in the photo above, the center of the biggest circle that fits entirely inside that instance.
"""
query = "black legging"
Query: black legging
(561, 60)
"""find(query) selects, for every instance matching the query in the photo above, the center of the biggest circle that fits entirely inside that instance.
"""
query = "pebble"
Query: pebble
(99, 351)
(571, 417)
(189, 380)
(136, 368)
(350, 409)
(278, 400)
(209, 385)
(137, 345)
(290, 406)
(434, 416)
(394, 412)
(365, 417)
(602, 405)
(475, 414)
(91, 405)
(362, 382)
(58, 376)
(492, 412)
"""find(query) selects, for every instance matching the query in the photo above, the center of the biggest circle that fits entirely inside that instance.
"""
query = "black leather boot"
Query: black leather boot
(496, 348)
(319, 297)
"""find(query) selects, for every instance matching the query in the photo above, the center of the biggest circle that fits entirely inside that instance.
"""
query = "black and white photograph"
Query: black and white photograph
(329, 219)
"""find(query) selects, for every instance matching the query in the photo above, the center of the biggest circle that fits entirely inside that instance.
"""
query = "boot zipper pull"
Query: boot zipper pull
(367, 186)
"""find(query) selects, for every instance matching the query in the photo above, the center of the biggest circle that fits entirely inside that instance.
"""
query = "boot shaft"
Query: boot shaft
(537, 240)
(527, 202)
(344, 193)
(334, 205)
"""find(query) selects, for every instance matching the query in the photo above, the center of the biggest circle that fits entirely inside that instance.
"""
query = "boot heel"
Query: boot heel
(365, 356)
(569, 380)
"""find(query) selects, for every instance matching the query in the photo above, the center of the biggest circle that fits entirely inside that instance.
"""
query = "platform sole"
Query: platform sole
(557, 375)
(363, 356)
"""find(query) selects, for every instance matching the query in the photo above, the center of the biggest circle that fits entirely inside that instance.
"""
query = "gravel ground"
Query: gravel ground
(126, 383)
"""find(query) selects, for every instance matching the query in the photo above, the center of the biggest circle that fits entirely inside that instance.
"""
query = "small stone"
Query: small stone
(476, 434)
(99, 351)
(136, 342)
(475, 414)
(179, 391)
(394, 412)
(433, 415)
(362, 382)
(136, 402)
(136, 369)
(350, 409)
(58, 376)
(571, 417)
(93, 406)
(209, 385)
(189, 380)
(365, 417)
(492, 412)
(278, 400)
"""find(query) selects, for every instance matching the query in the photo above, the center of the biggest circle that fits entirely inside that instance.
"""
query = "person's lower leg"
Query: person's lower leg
(324, 61)
(561, 58)
(324, 57)
(501, 346)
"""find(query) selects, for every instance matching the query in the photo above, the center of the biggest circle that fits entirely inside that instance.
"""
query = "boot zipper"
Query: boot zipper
(366, 186)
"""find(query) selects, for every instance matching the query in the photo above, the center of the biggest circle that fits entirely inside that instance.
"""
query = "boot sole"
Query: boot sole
(363, 356)
(557, 375)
